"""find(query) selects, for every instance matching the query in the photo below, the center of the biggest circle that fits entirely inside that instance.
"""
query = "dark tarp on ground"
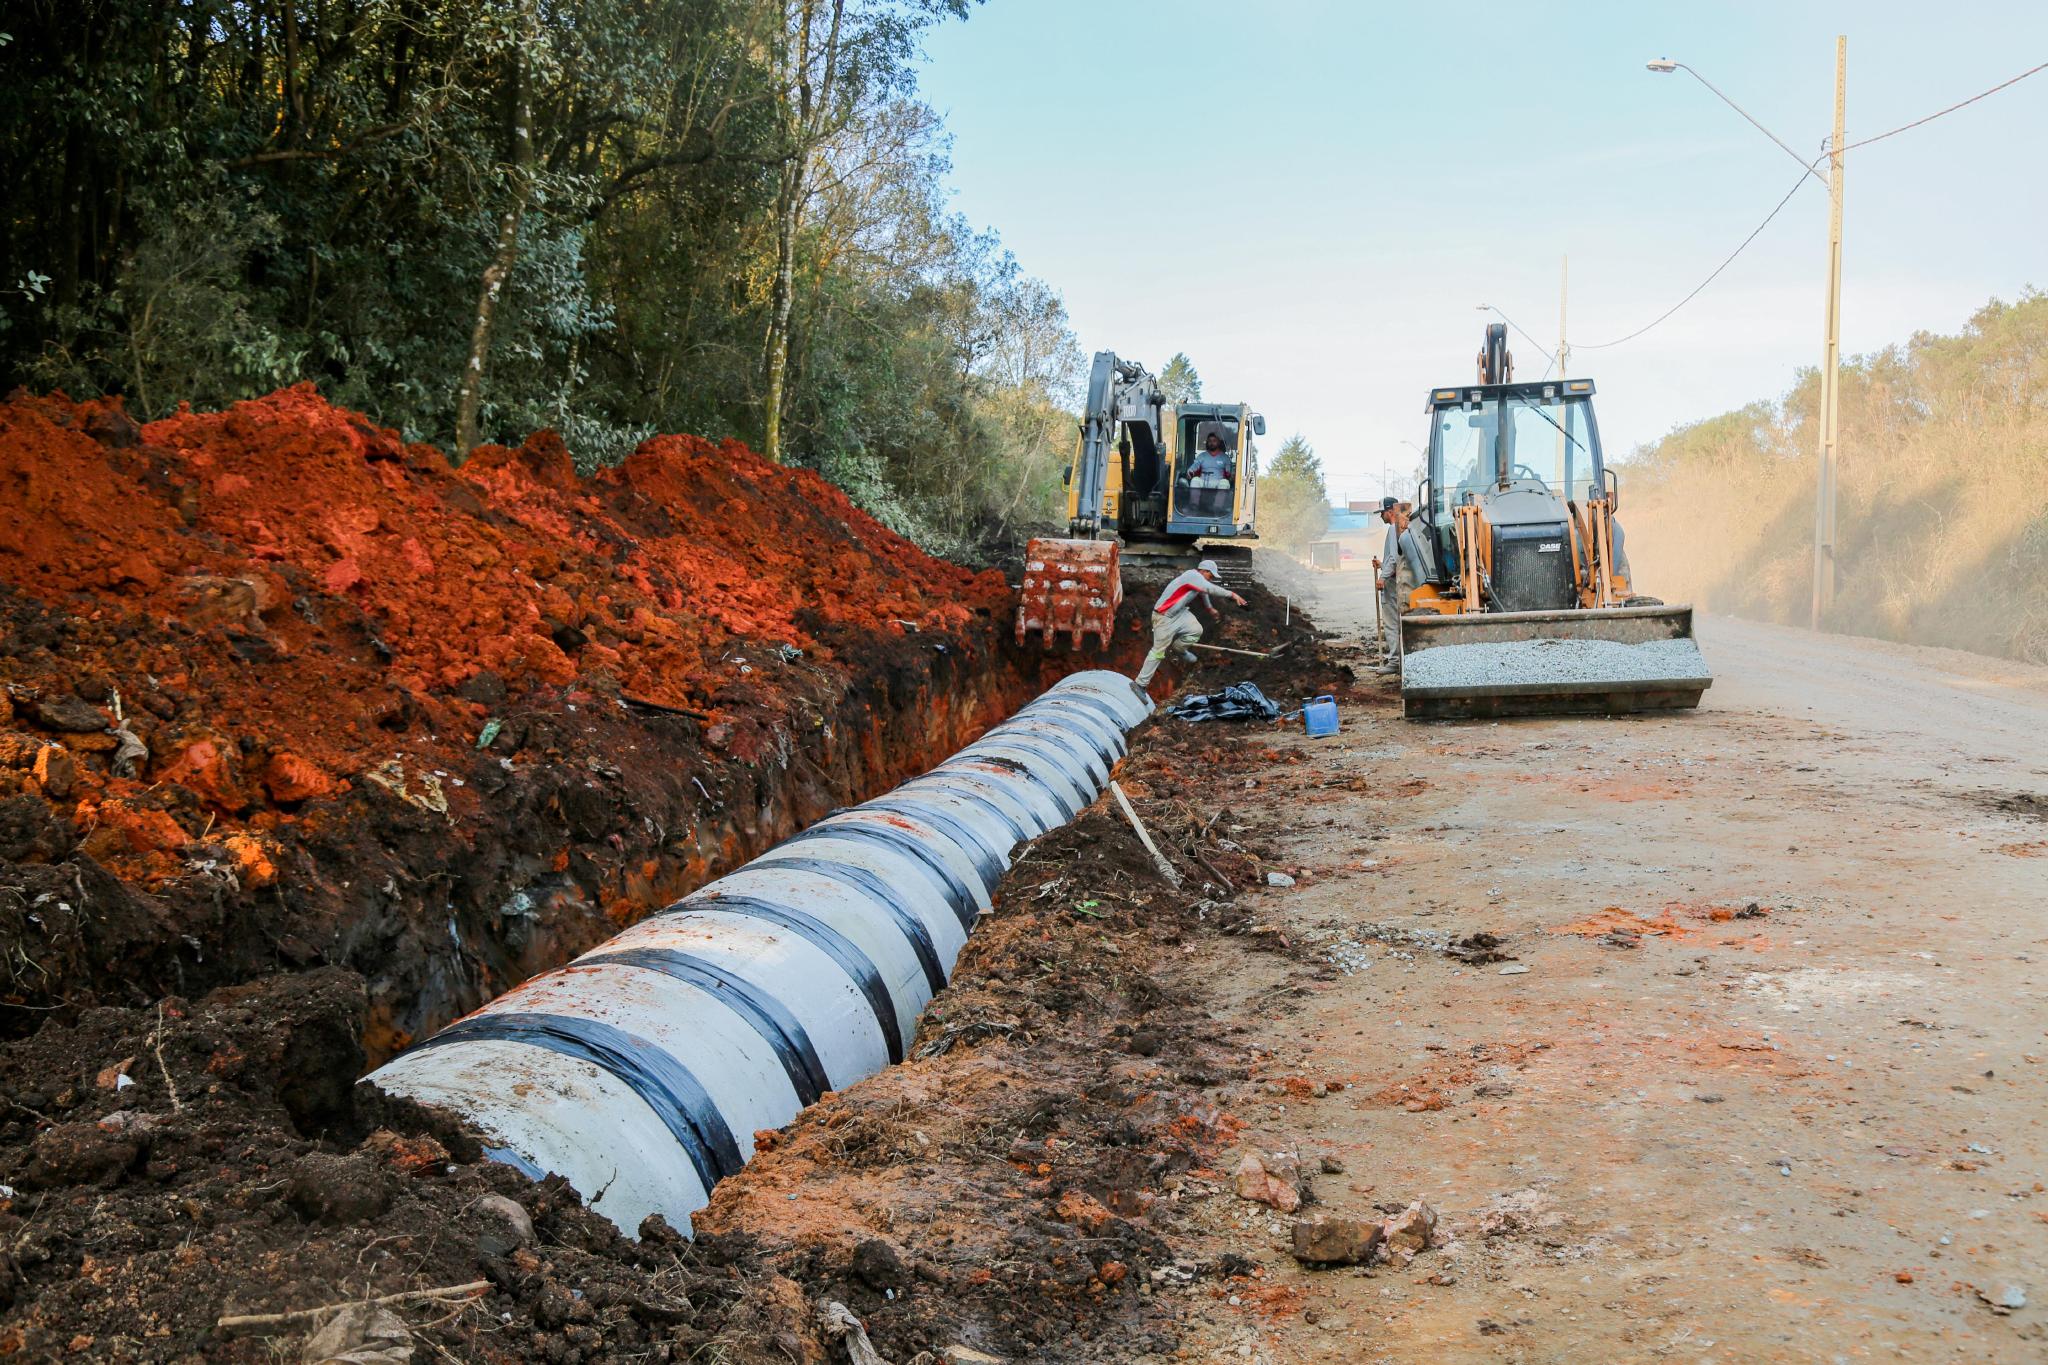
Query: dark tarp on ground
(1239, 701)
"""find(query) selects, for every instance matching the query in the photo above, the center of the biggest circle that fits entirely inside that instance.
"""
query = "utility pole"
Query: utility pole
(1564, 360)
(1830, 394)
(1564, 289)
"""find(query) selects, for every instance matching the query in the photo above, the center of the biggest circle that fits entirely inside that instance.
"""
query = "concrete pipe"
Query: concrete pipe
(641, 1071)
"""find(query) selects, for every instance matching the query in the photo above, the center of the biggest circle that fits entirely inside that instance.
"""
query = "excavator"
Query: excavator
(1153, 485)
(1520, 568)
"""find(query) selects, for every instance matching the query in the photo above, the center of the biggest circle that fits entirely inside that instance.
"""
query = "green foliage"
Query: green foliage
(215, 199)
(1179, 382)
(1294, 505)
(1942, 504)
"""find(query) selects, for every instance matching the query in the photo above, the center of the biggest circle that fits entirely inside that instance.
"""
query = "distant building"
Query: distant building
(1357, 530)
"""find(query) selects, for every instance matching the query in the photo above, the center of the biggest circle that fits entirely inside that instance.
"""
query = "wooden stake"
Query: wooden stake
(841, 1324)
(245, 1321)
(1166, 869)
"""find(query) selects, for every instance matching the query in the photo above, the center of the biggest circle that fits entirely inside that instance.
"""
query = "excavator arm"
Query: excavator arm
(1119, 392)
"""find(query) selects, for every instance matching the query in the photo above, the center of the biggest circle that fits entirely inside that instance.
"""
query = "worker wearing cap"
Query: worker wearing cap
(1395, 581)
(1211, 475)
(1174, 626)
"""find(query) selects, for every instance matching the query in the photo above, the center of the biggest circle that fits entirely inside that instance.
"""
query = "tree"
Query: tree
(471, 219)
(1179, 382)
(521, 44)
(1294, 505)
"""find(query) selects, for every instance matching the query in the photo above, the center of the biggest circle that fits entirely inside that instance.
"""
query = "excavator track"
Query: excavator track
(1163, 559)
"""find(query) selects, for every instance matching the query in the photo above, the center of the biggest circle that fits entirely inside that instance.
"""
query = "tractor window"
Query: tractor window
(1464, 440)
(1552, 441)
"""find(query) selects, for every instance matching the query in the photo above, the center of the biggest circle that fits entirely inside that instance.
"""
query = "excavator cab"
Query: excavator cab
(1205, 481)
(1214, 491)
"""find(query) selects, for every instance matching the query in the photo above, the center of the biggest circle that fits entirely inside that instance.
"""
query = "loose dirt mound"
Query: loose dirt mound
(168, 1167)
(281, 690)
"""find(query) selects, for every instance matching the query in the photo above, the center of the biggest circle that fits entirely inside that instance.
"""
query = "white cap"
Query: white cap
(1208, 566)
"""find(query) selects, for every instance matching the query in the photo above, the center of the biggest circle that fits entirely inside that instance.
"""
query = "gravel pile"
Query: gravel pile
(1552, 661)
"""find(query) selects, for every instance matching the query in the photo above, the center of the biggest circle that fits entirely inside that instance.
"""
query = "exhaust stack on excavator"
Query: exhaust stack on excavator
(1523, 601)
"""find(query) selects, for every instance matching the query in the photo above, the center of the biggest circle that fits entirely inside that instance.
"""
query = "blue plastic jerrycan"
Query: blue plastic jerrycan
(1319, 717)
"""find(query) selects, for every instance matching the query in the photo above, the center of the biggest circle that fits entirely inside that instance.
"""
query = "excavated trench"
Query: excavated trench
(581, 815)
(639, 841)
(414, 735)
(280, 692)
(641, 1071)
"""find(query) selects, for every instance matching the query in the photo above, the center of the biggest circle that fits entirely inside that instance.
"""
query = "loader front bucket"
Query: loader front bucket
(1071, 586)
(1609, 661)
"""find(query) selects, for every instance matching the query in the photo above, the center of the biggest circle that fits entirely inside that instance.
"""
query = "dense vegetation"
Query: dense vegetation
(475, 218)
(1943, 501)
(1294, 503)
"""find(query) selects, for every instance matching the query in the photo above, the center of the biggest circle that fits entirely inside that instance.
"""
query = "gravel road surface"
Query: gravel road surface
(1763, 1077)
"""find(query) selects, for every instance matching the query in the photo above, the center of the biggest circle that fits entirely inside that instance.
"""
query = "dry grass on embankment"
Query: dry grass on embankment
(1943, 502)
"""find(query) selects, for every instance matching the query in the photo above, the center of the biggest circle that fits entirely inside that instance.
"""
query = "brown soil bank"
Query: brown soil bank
(281, 691)
(1016, 1188)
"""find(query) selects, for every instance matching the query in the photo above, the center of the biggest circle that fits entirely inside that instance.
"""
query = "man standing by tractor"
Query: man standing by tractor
(1394, 582)
(1174, 626)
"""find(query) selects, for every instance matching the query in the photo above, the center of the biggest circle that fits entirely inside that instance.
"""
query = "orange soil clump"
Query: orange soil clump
(1614, 920)
(283, 599)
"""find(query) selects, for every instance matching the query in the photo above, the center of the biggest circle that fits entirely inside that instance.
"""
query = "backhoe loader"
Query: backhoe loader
(1153, 486)
(1520, 566)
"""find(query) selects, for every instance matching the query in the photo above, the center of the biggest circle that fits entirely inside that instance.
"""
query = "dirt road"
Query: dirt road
(1763, 1078)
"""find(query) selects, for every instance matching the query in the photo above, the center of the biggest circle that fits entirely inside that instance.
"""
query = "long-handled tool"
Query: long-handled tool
(1379, 628)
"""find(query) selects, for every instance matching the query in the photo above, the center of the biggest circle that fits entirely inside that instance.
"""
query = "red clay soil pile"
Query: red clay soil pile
(281, 689)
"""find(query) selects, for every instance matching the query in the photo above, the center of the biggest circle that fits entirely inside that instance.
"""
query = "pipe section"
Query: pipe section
(641, 1071)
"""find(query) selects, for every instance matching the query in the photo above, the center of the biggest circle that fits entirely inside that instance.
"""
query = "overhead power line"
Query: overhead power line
(1847, 147)
(1797, 185)
(1865, 142)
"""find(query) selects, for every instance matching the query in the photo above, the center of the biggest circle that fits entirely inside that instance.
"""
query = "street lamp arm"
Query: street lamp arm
(1667, 65)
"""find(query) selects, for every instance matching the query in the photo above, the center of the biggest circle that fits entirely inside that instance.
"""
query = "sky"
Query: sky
(1313, 199)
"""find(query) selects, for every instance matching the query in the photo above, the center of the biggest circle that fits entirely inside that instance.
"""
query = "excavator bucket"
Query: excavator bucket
(1071, 586)
(1607, 661)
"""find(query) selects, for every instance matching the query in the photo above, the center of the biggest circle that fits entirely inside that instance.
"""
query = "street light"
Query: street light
(1665, 66)
(1830, 390)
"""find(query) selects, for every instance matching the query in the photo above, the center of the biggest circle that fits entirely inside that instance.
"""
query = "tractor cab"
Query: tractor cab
(1525, 455)
(1515, 548)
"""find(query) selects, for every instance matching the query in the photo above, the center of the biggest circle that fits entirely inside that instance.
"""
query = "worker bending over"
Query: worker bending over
(1174, 626)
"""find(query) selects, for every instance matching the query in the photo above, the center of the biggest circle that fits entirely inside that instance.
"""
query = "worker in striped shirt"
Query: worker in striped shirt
(1174, 626)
